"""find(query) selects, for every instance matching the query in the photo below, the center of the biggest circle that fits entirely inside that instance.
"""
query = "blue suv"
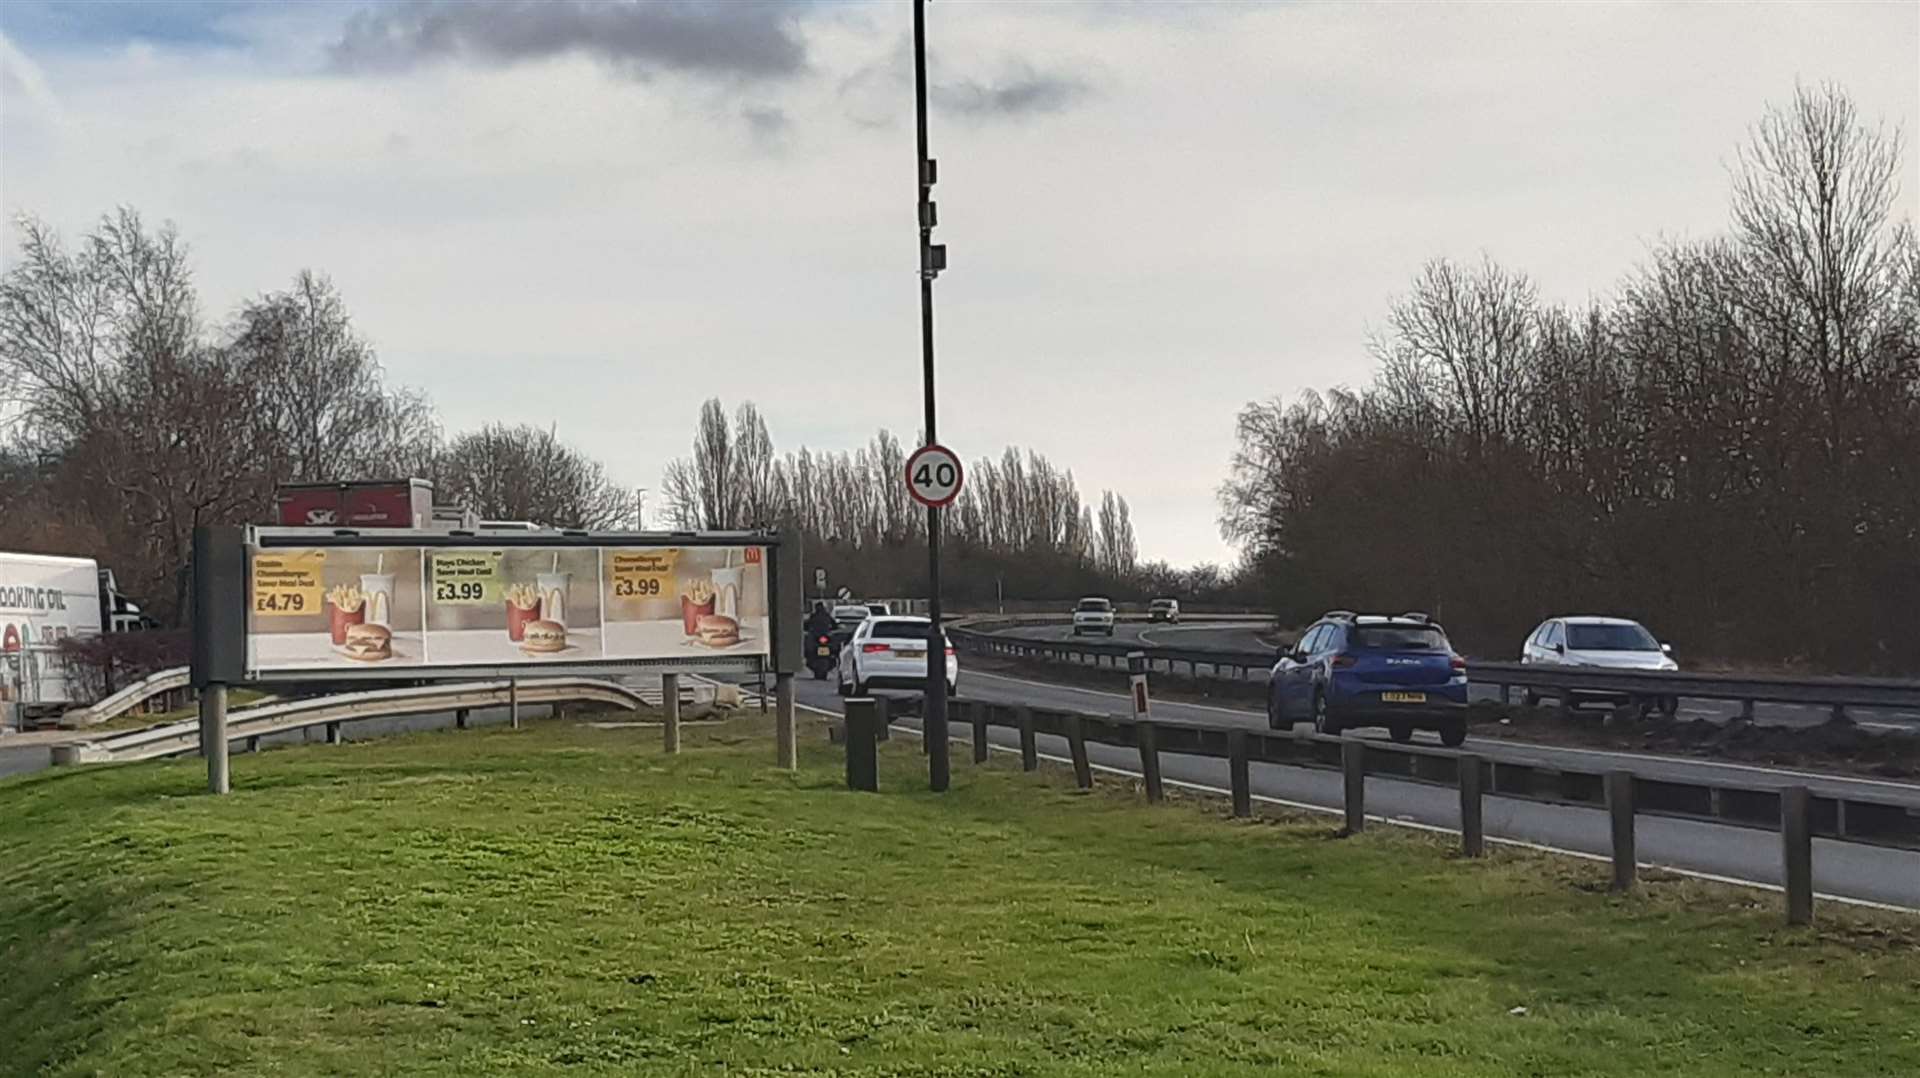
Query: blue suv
(1370, 670)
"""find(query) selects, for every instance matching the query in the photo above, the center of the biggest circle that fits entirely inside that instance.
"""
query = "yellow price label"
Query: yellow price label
(642, 574)
(287, 582)
(466, 577)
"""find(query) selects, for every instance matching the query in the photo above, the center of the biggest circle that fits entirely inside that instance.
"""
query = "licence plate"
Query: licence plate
(823, 651)
(921, 654)
(1403, 697)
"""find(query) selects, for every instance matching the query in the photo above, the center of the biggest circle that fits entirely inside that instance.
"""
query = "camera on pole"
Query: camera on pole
(933, 256)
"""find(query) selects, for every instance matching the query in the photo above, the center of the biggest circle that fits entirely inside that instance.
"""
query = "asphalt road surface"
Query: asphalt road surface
(1849, 870)
(1242, 637)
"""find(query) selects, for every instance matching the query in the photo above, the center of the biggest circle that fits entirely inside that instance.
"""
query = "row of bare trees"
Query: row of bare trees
(129, 420)
(1019, 525)
(1728, 448)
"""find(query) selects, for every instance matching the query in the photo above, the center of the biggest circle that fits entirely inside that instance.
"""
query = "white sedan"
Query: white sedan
(891, 653)
(1611, 643)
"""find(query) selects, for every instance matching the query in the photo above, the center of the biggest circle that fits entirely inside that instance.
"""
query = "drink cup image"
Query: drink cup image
(553, 596)
(727, 584)
(378, 590)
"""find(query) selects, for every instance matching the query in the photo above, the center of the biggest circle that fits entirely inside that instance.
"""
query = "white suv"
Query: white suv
(1093, 615)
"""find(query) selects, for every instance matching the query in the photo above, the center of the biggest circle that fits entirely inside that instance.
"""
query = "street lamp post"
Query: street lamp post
(933, 259)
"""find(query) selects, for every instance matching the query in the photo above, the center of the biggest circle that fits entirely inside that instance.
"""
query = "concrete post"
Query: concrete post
(513, 703)
(1077, 749)
(786, 750)
(213, 737)
(460, 718)
(1472, 830)
(1150, 761)
(1237, 767)
(979, 732)
(1353, 772)
(333, 733)
(1029, 748)
(670, 708)
(882, 719)
(1796, 842)
(1619, 787)
(863, 763)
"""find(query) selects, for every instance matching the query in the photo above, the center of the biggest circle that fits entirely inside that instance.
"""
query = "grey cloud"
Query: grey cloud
(766, 122)
(1021, 94)
(727, 39)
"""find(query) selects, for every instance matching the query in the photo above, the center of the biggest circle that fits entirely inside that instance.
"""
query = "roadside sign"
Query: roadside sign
(846, 594)
(934, 475)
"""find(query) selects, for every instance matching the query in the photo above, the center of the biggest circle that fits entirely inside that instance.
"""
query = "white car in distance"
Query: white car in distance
(1609, 643)
(1093, 615)
(891, 653)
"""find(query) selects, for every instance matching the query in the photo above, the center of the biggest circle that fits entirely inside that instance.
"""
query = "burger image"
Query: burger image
(543, 637)
(368, 643)
(718, 631)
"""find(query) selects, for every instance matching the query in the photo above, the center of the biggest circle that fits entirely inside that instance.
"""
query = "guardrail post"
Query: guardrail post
(1029, 747)
(979, 732)
(1619, 787)
(460, 718)
(1353, 770)
(670, 711)
(1077, 748)
(513, 702)
(1746, 710)
(1796, 840)
(1237, 768)
(253, 743)
(883, 719)
(863, 760)
(213, 737)
(1472, 831)
(333, 733)
(786, 749)
(1150, 761)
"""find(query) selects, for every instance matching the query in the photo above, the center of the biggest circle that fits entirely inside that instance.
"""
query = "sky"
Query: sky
(595, 216)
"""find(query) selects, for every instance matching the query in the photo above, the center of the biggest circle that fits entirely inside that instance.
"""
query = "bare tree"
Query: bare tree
(527, 473)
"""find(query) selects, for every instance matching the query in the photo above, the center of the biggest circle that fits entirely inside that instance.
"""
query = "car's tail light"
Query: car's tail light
(825, 640)
(1460, 664)
(949, 649)
(1341, 662)
(871, 648)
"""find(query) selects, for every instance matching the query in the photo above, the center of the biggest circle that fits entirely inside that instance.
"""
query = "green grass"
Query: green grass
(567, 900)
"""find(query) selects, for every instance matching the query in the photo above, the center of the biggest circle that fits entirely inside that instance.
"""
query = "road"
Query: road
(1849, 870)
(1242, 637)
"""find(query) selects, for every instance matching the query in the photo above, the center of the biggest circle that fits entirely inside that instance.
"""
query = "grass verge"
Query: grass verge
(563, 899)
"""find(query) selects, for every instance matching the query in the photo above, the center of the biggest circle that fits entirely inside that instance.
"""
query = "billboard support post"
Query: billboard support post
(784, 735)
(213, 737)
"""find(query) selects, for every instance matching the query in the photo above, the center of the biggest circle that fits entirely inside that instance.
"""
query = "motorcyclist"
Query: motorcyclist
(820, 622)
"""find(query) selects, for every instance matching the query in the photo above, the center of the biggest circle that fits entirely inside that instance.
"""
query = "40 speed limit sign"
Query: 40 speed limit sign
(934, 475)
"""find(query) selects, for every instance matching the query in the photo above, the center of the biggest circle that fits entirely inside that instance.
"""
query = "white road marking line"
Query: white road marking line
(1694, 760)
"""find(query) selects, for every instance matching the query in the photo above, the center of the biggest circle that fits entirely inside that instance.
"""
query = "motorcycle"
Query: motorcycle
(823, 654)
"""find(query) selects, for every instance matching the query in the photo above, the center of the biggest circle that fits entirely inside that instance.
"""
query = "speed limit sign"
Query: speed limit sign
(933, 475)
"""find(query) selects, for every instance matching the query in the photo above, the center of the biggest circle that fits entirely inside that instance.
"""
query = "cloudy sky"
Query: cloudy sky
(596, 216)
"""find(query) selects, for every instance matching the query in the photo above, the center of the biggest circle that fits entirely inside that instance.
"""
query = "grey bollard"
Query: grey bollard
(1353, 772)
(1029, 745)
(863, 761)
(1619, 787)
(1796, 841)
(670, 709)
(1149, 741)
(1237, 768)
(1472, 830)
(882, 719)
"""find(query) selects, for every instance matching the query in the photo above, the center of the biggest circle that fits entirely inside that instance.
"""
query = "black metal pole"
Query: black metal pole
(934, 721)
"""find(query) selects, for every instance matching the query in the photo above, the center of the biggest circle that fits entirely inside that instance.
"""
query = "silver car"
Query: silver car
(1611, 643)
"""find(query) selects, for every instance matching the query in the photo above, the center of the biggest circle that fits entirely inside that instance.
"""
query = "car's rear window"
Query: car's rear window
(1398, 638)
(897, 629)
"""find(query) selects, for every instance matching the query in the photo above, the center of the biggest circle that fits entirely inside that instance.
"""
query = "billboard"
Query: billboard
(321, 607)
